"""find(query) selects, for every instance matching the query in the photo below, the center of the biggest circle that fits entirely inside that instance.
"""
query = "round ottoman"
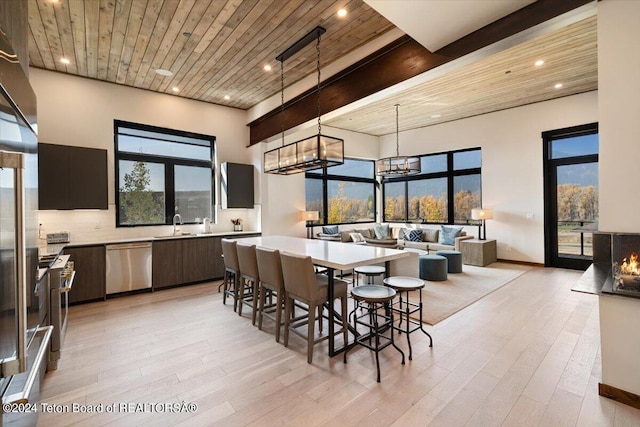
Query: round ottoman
(433, 268)
(454, 260)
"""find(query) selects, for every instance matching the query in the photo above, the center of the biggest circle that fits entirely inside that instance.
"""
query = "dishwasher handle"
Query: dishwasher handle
(126, 246)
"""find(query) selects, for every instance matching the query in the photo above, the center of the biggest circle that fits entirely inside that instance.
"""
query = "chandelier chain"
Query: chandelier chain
(318, 67)
(397, 133)
(282, 100)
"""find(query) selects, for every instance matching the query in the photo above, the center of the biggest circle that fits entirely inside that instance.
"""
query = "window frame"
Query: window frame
(325, 177)
(169, 167)
(450, 174)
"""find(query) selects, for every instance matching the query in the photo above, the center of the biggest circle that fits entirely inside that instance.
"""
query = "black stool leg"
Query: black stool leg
(427, 333)
(377, 332)
(393, 342)
(408, 326)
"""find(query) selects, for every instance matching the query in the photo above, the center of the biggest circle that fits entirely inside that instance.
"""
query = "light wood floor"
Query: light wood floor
(527, 355)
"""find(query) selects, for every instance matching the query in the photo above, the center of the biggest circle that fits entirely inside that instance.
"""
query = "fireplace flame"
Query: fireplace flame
(631, 266)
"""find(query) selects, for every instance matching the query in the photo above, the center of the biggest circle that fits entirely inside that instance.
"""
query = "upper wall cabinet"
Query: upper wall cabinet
(72, 177)
(236, 185)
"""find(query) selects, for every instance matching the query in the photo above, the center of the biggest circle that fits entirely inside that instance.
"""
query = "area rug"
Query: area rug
(442, 299)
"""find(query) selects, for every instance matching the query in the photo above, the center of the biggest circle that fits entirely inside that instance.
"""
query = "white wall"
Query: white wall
(619, 103)
(80, 112)
(512, 177)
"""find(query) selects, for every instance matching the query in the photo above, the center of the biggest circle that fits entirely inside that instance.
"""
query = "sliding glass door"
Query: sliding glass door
(571, 195)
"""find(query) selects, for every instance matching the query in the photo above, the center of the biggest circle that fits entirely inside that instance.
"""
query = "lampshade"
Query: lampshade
(311, 153)
(310, 215)
(481, 213)
(398, 165)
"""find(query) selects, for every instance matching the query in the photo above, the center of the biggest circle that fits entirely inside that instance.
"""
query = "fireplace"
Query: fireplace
(624, 264)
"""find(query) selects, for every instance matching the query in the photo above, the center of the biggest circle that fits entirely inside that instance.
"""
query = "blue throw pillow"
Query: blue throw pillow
(448, 234)
(413, 235)
(330, 229)
(381, 231)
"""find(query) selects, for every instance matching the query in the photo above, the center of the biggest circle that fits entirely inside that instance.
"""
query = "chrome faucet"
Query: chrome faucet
(176, 219)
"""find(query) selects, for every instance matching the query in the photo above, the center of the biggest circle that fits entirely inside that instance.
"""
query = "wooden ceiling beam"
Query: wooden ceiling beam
(397, 62)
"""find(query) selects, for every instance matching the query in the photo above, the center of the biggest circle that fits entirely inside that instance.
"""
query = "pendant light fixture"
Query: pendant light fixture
(398, 165)
(310, 153)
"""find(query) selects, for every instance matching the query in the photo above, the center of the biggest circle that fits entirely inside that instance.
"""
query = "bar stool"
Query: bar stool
(231, 271)
(403, 284)
(377, 321)
(301, 283)
(271, 280)
(370, 272)
(249, 279)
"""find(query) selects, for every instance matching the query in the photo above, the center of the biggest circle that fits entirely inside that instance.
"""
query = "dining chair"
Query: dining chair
(249, 279)
(271, 281)
(303, 284)
(231, 271)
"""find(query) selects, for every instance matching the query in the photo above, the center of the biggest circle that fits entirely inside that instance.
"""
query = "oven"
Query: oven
(60, 277)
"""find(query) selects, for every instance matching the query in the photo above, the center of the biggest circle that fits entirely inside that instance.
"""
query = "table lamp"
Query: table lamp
(482, 214)
(310, 217)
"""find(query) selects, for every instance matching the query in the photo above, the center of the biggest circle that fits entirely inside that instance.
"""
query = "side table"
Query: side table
(478, 252)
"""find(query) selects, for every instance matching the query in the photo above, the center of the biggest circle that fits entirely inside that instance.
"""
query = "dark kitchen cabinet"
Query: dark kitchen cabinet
(236, 185)
(197, 259)
(71, 177)
(217, 262)
(167, 265)
(90, 266)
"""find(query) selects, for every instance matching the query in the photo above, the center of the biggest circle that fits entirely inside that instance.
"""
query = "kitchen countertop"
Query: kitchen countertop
(56, 248)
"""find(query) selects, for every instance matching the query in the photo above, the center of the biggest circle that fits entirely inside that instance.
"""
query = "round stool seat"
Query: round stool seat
(373, 293)
(433, 267)
(370, 271)
(454, 260)
(403, 283)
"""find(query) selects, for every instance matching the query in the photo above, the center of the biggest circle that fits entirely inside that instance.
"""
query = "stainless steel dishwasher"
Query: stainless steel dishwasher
(128, 267)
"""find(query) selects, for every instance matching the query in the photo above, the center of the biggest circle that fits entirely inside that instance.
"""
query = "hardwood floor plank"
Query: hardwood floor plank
(526, 354)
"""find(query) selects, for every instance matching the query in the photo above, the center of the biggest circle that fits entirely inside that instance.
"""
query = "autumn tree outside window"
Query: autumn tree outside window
(445, 191)
(343, 194)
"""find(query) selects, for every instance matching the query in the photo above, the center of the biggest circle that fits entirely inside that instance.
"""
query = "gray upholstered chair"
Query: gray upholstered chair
(271, 281)
(231, 272)
(249, 279)
(303, 284)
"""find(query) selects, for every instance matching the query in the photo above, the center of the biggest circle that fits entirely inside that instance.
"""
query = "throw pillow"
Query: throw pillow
(448, 234)
(357, 237)
(330, 229)
(381, 231)
(413, 235)
(430, 235)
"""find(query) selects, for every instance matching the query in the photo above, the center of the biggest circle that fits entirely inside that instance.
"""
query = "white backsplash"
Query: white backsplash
(90, 226)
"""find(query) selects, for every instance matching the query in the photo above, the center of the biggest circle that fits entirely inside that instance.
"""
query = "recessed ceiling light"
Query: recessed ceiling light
(163, 72)
(558, 85)
(436, 116)
(342, 13)
(65, 61)
(227, 97)
(175, 89)
(539, 62)
(267, 67)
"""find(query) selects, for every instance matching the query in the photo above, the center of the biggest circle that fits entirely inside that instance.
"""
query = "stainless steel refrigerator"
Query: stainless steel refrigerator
(23, 301)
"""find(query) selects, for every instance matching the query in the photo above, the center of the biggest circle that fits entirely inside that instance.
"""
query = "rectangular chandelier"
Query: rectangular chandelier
(314, 152)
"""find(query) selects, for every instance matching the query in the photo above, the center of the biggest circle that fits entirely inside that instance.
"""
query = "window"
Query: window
(161, 172)
(446, 190)
(344, 193)
(571, 195)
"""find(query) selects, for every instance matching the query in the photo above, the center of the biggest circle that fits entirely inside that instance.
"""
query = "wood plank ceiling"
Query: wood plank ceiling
(504, 80)
(215, 48)
(218, 48)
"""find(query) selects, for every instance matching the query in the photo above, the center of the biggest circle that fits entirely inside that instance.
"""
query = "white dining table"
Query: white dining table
(332, 256)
